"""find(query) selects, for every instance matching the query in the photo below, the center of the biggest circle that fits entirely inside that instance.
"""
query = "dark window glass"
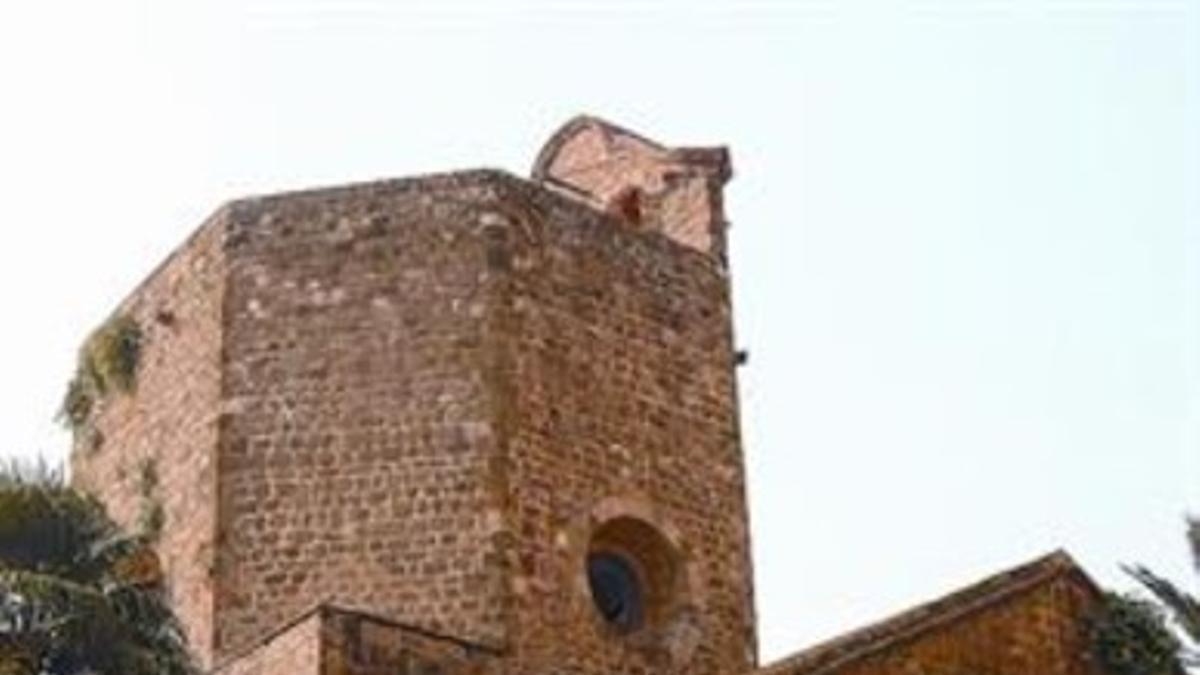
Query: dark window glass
(616, 590)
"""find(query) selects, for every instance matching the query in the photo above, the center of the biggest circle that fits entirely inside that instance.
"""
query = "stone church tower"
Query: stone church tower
(456, 423)
(477, 424)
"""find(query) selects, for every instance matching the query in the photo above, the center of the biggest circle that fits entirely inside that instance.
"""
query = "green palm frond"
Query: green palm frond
(48, 528)
(37, 472)
(71, 600)
(1193, 535)
(1184, 608)
(1129, 635)
(109, 628)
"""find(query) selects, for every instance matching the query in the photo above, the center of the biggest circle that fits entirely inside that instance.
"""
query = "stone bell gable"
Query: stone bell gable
(675, 191)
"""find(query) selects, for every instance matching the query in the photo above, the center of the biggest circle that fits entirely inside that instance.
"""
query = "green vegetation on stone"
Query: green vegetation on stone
(108, 362)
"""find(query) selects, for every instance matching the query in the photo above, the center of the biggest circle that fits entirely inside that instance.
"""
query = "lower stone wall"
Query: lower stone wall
(333, 641)
(356, 644)
(296, 650)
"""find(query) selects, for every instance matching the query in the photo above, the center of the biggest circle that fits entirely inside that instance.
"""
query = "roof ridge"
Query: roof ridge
(449, 179)
(325, 608)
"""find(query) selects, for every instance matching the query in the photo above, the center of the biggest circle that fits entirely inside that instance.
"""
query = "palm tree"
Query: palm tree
(77, 596)
(1183, 607)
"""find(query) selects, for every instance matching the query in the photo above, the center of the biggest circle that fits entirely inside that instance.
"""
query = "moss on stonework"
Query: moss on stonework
(108, 362)
(77, 403)
(152, 517)
(147, 476)
(151, 514)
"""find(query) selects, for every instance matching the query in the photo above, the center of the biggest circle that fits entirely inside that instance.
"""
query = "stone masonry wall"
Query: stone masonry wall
(157, 444)
(620, 400)
(419, 398)
(355, 453)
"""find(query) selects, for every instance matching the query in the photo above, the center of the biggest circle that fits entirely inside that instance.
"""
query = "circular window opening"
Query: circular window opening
(634, 574)
(616, 590)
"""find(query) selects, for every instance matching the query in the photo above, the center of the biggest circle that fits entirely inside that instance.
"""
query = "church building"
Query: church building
(474, 423)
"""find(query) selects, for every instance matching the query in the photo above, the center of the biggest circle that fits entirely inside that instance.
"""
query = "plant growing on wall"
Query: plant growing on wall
(1129, 636)
(147, 476)
(151, 515)
(108, 362)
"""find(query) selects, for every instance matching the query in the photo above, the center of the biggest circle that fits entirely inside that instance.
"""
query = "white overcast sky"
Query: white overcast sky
(966, 235)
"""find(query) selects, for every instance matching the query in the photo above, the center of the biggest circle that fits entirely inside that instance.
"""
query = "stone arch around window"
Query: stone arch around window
(636, 576)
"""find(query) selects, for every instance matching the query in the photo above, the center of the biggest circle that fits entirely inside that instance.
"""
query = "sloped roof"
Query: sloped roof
(912, 623)
(325, 611)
